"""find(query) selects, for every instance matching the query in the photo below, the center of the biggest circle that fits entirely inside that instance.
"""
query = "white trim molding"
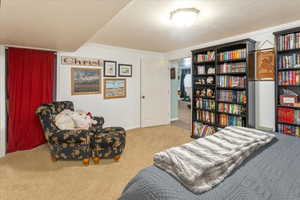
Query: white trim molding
(2, 103)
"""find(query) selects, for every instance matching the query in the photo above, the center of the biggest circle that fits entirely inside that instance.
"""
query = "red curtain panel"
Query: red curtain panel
(30, 84)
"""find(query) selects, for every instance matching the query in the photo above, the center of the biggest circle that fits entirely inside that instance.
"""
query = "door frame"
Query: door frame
(3, 93)
(170, 91)
(2, 101)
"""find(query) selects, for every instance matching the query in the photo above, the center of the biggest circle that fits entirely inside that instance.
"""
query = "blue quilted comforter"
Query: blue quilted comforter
(272, 173)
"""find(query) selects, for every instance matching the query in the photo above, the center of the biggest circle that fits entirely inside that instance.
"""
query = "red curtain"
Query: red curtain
(30, 83)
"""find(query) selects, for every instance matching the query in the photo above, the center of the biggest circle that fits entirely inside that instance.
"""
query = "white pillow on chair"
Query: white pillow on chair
(64, 121)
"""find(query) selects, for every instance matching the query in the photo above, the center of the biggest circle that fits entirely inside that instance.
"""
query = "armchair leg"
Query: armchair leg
(117, 157)
(96, 160)
(86, 161)
(53, 158)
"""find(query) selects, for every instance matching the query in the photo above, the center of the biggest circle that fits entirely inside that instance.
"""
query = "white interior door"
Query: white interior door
(155, 96)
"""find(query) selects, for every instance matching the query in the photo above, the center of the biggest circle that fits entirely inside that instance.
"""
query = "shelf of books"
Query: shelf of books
(287, 86)
(223, 86)
(204, 88)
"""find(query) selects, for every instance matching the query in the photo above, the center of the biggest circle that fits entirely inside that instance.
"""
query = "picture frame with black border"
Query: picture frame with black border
(109, 68)
(125, 70)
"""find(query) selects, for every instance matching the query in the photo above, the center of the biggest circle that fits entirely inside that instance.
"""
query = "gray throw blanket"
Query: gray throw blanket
(204, 163)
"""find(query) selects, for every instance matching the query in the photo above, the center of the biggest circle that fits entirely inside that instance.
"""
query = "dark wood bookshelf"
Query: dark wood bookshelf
(287, 123)
(289, 69)
(293, 107)
(231, 88)
(233, 60)
(279, 88)
(248, 116)
(204, 62)
(228, 102)
(233, 73)
(289, 51)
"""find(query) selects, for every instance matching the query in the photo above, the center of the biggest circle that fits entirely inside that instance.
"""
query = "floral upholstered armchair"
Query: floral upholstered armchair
(66, 144)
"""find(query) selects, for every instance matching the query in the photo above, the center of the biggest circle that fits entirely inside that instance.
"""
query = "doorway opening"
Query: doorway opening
(181, 93)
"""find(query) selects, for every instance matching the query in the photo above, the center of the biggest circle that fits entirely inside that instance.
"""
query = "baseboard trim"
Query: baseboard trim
(174, 119)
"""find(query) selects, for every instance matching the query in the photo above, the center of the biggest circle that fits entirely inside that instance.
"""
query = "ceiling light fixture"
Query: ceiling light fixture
(184, 17)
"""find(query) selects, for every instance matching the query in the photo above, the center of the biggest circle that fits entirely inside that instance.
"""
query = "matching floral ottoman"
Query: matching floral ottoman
(108, 143)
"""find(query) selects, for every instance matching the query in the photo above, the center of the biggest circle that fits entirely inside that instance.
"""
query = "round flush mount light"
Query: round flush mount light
(184, 17)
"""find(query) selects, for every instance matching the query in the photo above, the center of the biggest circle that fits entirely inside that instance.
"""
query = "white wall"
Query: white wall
(123, 112)
(265, 93)
(2, 103)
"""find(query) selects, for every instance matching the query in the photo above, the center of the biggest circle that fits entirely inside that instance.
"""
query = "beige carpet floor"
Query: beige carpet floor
(31, 175)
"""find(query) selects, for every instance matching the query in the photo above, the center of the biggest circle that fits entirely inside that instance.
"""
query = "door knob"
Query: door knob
(143, 97)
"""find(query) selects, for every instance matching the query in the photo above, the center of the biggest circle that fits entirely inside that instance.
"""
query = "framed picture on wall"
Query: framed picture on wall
(114, 88)
(265, 64)
(85, 81)
(110, 68)
(173, 73)
(125, 70)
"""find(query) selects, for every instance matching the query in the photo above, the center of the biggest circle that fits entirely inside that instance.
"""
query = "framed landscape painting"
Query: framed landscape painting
(114, 88)
(125, 70)
(110, 68)
(85, 81)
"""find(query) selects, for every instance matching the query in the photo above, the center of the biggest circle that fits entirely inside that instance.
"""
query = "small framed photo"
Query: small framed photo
(125, 70)
(110, 68)
(114, 88)
(85, 81)
(173, 73)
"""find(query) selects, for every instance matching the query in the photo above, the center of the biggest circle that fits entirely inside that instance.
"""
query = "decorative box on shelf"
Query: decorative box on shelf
(288, 100)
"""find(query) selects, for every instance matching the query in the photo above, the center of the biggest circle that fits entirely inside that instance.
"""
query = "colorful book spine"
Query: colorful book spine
(205, 104)
(288, 115)
(227, 120)
(205, 116)
(232, 55)
(231, 108)
(289, 129)
(210, 56)
(233, 67)
(289, 78)
(289, 41)
(232, 96)
(289, 61)
(231, 81)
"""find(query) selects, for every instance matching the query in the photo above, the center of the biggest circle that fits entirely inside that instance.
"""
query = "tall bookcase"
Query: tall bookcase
(223, 85)
(287, 81)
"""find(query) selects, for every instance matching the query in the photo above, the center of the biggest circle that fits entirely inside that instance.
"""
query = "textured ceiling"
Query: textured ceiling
(145, 24)
(54, 24)
(139, 24)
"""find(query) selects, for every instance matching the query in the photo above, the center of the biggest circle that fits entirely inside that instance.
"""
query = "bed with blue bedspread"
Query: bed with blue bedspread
(271, 173)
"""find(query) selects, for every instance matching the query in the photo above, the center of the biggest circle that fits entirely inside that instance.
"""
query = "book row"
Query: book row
(233, 67)
(232, 96)
(231, 81)
(289, 78)
(232, 55)
(289, 61)
(289, 41)
(201, 130)
(210, 56)
(289, 129)
(227, 120)
(231, 108)
(201, 70)
(288, 115)
(205, 116)
(205, 104)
